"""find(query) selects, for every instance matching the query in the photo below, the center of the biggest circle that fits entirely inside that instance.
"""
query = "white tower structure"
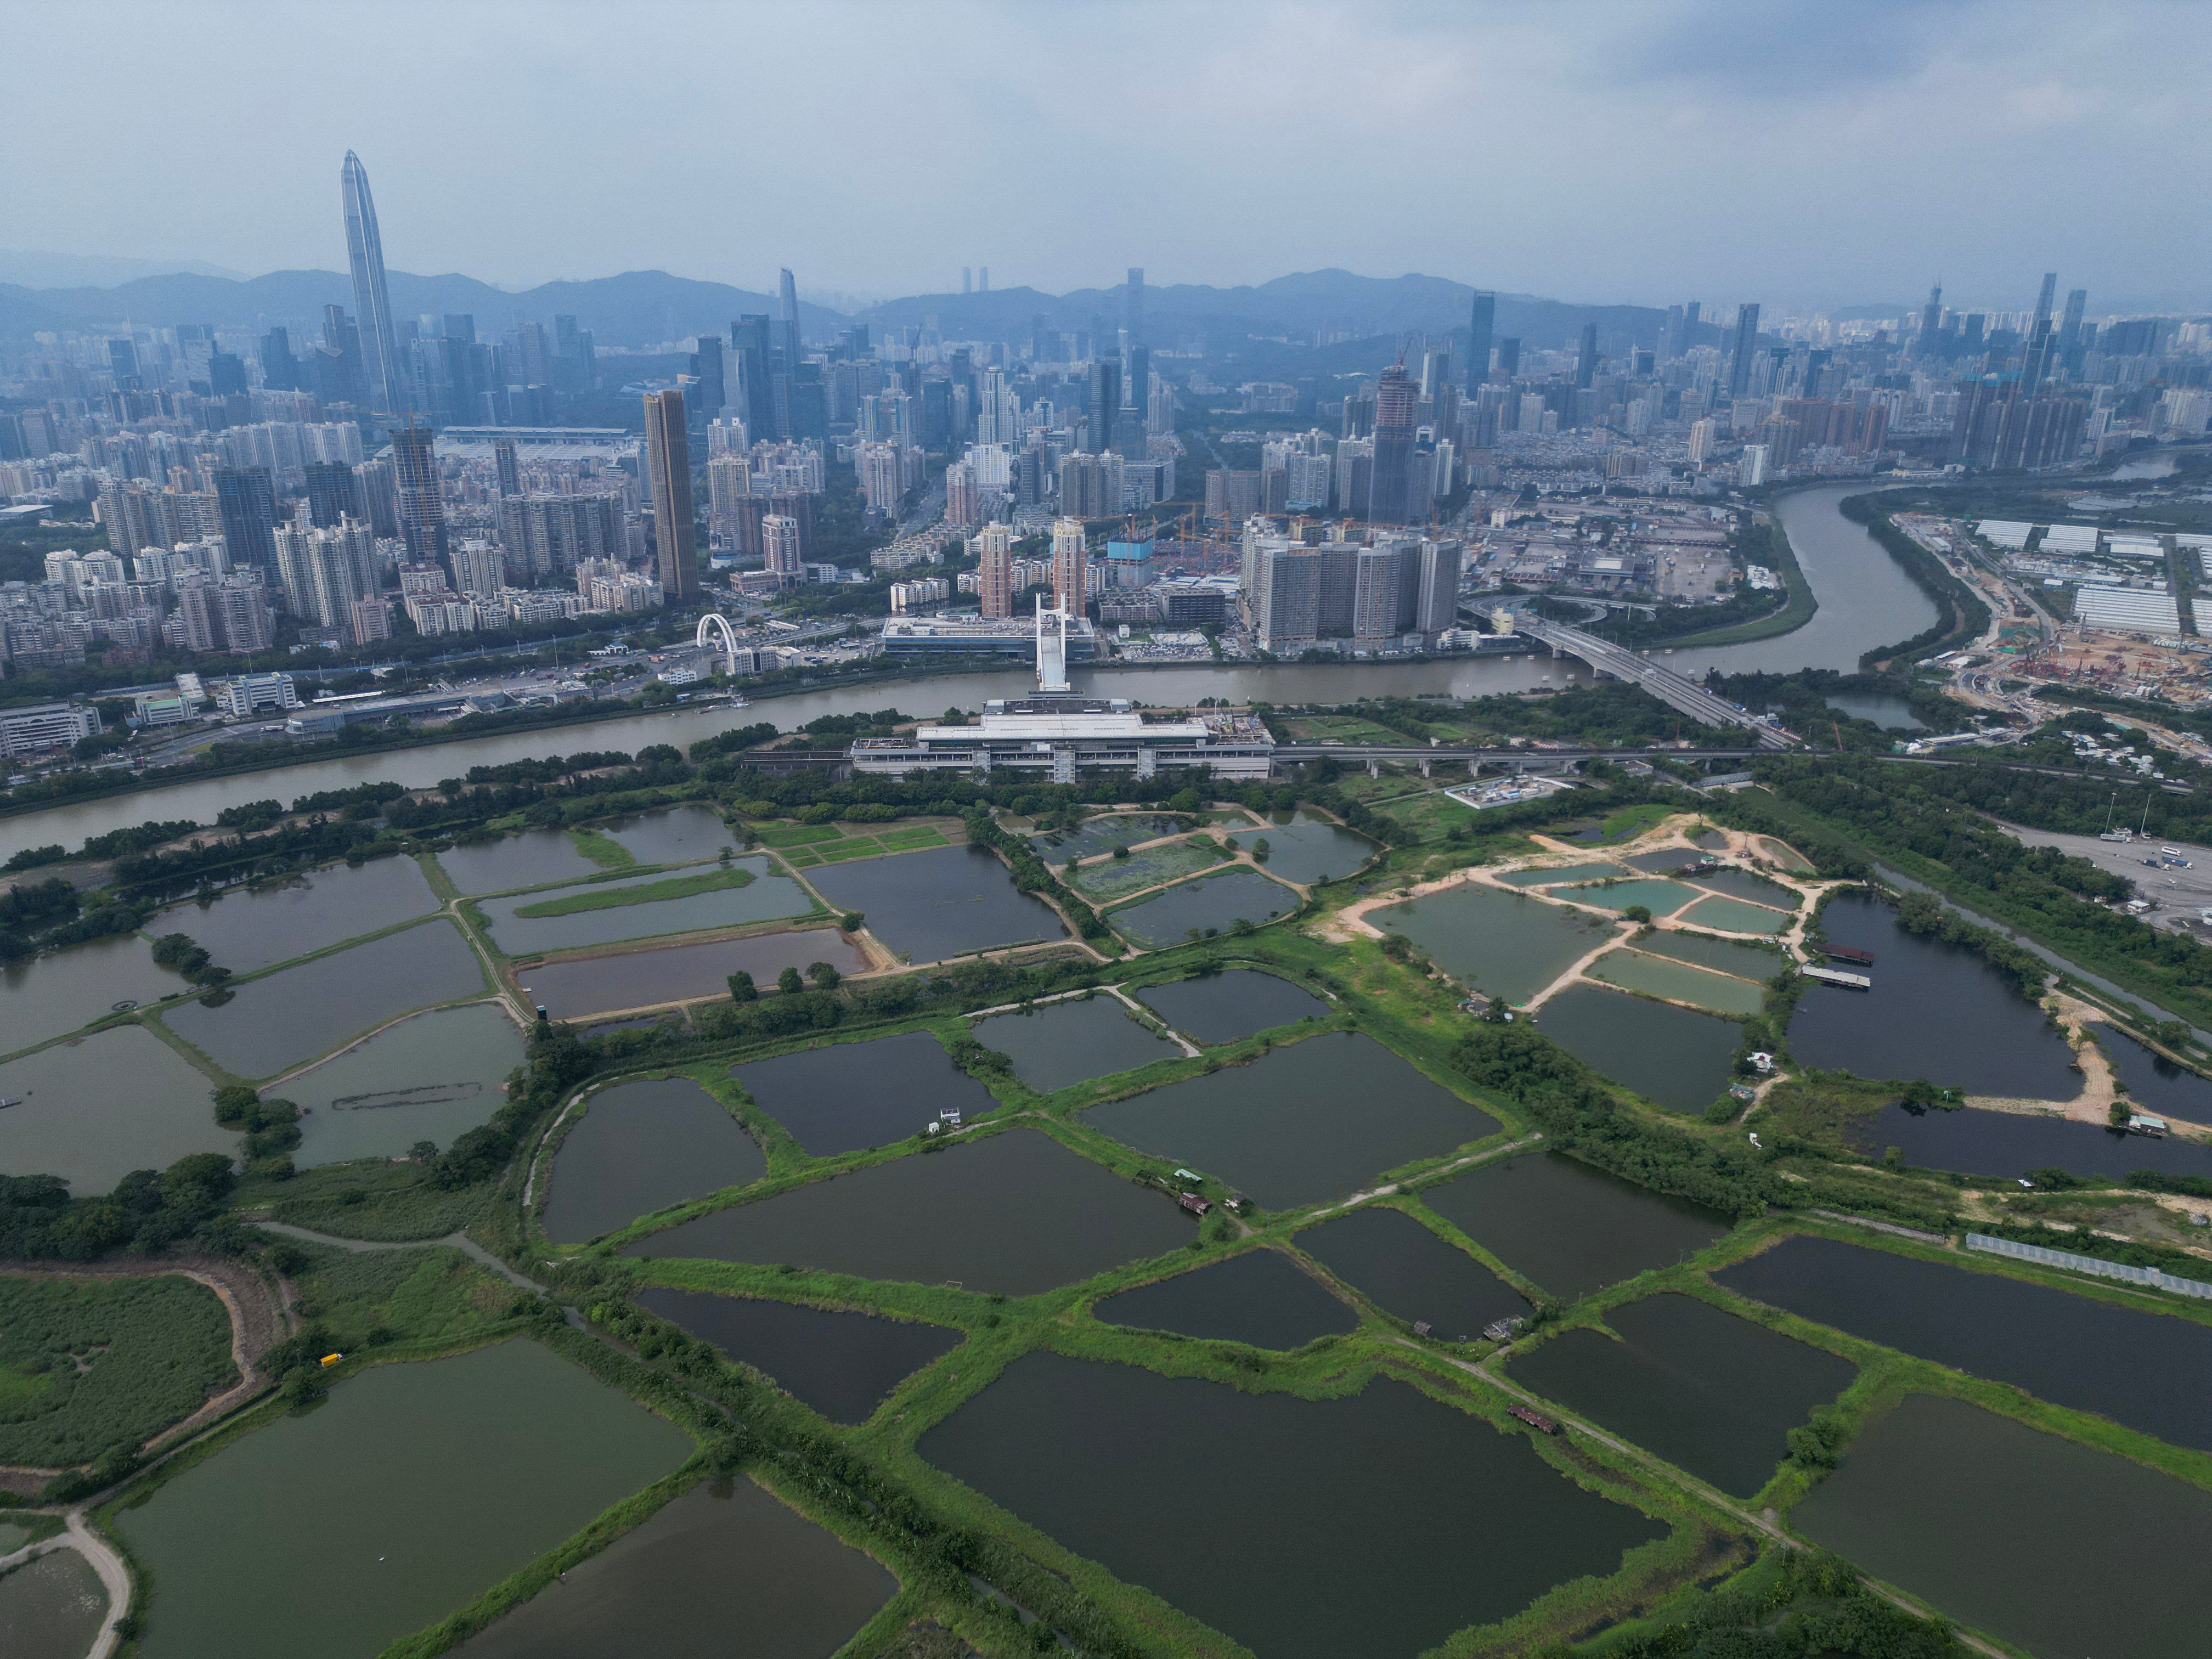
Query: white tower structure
(1051, 649)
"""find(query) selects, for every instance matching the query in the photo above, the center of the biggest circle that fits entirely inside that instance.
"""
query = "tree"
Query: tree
(789, 983)
(851, 921)
(423, 1151)
(824, 976)
(1639, 913)
(742, 989)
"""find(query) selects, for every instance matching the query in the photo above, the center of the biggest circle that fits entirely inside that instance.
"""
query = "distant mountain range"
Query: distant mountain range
(36, 268)
(645, 308)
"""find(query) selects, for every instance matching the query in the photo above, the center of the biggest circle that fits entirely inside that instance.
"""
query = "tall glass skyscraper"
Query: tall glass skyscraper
(380, 341)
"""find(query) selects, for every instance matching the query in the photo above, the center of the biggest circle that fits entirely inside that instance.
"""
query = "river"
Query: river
(1865, 600)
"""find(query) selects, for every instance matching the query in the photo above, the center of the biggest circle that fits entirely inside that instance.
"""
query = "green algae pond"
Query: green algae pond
(1408, 1271)
(1064, 1043)
(1376, 1525)
(725, 1569)
(2055, 1548)
(1207, 904)
(1744, 885)
(640, 1147)
(1307, 851)
(412, 1490)
(1678, 981)
(1660, 898)
(1675, 1058)
(1261, 1298)
(849, 1097)
(1300, 1123)
(51, 1607)
(1713, 1394)
(93, 1110)
(1729, 915)
(1012, 1214)
(840, 1362)
(1723, 956)
(1569, 1227)
(430, 1078)
(260, 927)
(1503, 944)
(1230, 1005)
(1600, 871)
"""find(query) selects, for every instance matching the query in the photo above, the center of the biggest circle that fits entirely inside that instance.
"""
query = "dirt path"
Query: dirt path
(114, 1577)
(461, 1241)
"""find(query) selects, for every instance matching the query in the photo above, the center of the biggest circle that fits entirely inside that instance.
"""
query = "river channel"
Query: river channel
(1866, 600)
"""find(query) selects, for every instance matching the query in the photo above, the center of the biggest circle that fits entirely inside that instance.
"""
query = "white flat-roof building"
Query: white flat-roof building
(47, 725)
(1056, 736)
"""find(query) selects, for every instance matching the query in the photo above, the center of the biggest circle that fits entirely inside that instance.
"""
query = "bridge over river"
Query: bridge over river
(1672, 688)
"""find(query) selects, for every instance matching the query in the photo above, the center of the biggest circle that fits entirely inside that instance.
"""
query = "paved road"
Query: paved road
(2180, 893)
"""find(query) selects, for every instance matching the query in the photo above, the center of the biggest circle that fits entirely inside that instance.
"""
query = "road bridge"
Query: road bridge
(1677, 692)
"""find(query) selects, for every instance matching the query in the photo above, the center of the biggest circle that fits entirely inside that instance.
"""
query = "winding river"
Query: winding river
(1865, 600)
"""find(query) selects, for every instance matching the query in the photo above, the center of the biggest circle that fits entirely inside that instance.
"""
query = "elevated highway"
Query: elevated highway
(1677, 692)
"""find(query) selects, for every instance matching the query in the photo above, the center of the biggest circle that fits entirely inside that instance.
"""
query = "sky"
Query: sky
(1806, 153)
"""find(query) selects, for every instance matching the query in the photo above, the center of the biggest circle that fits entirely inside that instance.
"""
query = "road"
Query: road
(2180, 894)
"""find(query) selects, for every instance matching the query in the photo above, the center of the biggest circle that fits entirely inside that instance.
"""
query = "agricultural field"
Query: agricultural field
(829, 844)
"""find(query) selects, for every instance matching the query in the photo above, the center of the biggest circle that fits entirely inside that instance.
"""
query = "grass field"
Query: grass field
(615, 898)
(602, 850)
(842, 847)
(364, 1297)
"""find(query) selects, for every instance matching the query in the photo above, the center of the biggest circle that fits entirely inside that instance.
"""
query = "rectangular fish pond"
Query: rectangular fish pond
(609, 912)
(641, 1147)
(943, 902)
(840, 1362)
(1229, 1006)
(1676, 1058)
(1064, 1043)
(432, 1077)
(585, 986)
(849, 1097)
(1209, 905)
(1501, 944)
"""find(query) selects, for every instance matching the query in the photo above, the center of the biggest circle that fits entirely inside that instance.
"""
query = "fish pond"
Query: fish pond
(676, 835)
(578, 990)
(1503, 943)
(93, 1110)
(1309, 851)
(53, 994)
(1376, 1525)
(1262, 1298)
(1675, 1059)
(429, 1078)
(318, 1522)
(1660, 898)
(1729, 915)
(528, 858)
(2011, 1144)
(841, 1364)
(943, 902)
(1063, 1044)
(1745, 884)
(1103, 880)
(271, 1025)
(848, 1097)
(1936, 1010)
(2158, 1085)
(724, 1569)
(1010, 1214)
(1569, 1227)
(52, 1607)
(1961, 1507)
(1665, 861)
(1104, 835)
(1300, 1123)
(1726, 956)
(1410, 1271)
(764, 896)
(1562, 873)
(1709, 1392)
(1889, 712)
(1678, 981)
(260, 927)
(1210, 904)
(1229, 1006)
(640, 1147)
(2148, 1370)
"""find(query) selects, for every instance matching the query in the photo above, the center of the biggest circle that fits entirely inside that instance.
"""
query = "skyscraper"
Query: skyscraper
(421, 503)
(1586, 358)
(1931, 320)
(1747, 341)
(1389, 485)
(995, 567)
(246, 501)
(386, 384)
(1069, 549)
(1133, 311)
(280, 369)
(754, 392)
(2043, 300)
(510, 473)
(788, 286)
(668, 456)
(2070, 331)
(1482, 318)
(1105, 401)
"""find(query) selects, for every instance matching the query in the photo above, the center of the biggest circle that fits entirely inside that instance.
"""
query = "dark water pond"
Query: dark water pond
(244, 931)
(1230, 1005)
(2151, 1371)
(1211, 903)
(1727, 956)
(1261, 1297)
(642, 1147)
(1309, 853)
(848, 1097)
(1571, 1228)
(1743, 885)
(1936, 1010)
(2161, 1087)
(94, 1110)
(1660, 898)
(319, 1522)
(723, 1559)
(530, 858)
(841, 1364)
(52, 1608)
(1600, 871)
(1104, 835)
(1503, 944)
(1711, 1393)
(1374, 1525)
(679, 834)
(1013, 1214)
(1411, 1272)
(44, 996)
(1300, 1123)
(274, 1024)
(1675, 1059)
(1961, 1507)
(2009, 1145)
(431, 1077)
(1892, 714)
(769, 897)
(676, 973)
(1068, 1042)
(1664, 862)
(943, 902)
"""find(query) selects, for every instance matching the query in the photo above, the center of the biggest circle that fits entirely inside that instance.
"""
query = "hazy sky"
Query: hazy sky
(1797, 151)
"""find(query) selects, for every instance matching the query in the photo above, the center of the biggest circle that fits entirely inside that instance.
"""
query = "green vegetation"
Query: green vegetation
(603, 849)
(88, 1366)
(366, 1298)
(652, 892)
(829, 845)
(1112, 877)
(1793, 1602)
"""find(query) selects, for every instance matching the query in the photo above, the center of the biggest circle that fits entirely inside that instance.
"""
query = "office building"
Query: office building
(1390, 486)
(421, 496)
(1746, 341)
(787, 287)
(387, 383)
(668, 459)
(1104, 409)
(1133, 307)
(1481, 323)
(1586, 358)
(247, 502)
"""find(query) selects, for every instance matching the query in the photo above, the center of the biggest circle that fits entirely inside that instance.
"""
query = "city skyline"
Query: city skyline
(1850, 160)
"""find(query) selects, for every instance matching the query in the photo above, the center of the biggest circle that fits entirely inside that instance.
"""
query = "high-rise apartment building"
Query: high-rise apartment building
(421, 496)
(780, 542)
(1390, 484)
(668, 459)
(994, 551)
(1747, 342)
(963, 499)
(1070, 551)
(509, 469)
(386, 377)
(247, 502)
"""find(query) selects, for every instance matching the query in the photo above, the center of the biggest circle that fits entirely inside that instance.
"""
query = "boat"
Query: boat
(6, 1101)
